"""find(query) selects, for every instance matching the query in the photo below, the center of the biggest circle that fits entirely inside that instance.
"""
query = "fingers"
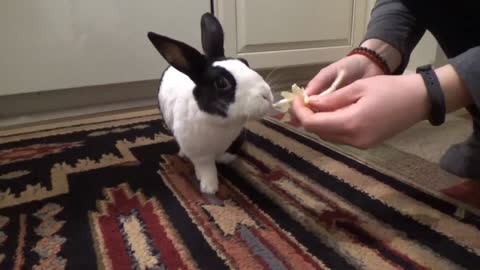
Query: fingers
(321, 81)
(336, 100)
(328, 125)
(301, 111)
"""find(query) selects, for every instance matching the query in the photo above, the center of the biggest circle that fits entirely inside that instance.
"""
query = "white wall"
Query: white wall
(425, 52)
(55, 44)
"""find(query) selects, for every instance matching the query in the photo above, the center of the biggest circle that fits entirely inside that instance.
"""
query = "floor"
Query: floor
(422, 140)
(412, 155)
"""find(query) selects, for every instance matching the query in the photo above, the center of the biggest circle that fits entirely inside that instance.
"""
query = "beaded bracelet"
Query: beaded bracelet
(374, 57)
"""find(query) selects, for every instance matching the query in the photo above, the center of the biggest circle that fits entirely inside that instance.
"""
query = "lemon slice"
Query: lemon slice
(284, 104)
(288, 96)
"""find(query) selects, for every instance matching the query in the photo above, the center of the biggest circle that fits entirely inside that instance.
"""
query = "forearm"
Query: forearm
(454, 90)
(455, 93)
(467, 67)
(393, 24)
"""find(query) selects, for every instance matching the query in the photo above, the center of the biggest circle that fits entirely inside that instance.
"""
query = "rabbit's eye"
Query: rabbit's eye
(222, 83)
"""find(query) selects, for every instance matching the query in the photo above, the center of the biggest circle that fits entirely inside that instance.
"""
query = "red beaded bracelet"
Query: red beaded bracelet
(374, 57)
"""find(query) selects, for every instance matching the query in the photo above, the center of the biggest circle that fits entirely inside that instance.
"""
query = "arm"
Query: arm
(393, 32)
(366, 113)
(369, 110)
(454, 89)
(467, 68)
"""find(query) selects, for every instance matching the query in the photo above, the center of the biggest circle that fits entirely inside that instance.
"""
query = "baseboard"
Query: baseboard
(27, 119)
(76, 98)
(50, 105)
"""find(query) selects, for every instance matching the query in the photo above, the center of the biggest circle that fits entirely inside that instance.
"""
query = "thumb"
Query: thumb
(337, 100)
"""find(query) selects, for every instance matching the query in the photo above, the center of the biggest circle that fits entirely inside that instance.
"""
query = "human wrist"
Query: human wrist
(366, 65)
(421, 98)
(390, 54)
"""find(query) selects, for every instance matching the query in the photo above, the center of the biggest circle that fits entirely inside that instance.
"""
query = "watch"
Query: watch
(437, 99)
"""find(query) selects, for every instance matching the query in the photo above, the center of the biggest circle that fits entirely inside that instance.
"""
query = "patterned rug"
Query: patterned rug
(413, 157)
(111, 193)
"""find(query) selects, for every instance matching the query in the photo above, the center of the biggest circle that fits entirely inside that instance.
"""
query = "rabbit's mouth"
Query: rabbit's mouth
(261, 107)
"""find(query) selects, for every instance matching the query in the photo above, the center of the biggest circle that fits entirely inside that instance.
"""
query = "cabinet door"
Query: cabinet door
(272, 33)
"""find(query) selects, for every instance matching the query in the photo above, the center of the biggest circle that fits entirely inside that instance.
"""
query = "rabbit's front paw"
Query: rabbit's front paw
(209, 186)
(206, 172)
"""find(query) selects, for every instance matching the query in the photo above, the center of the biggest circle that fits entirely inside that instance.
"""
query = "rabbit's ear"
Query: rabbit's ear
(212, 36)
(181, 56)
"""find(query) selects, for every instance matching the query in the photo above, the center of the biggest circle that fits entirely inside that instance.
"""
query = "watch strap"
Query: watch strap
(438, 110)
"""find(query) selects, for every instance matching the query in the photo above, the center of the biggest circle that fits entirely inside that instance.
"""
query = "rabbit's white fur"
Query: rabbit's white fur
(202, 137)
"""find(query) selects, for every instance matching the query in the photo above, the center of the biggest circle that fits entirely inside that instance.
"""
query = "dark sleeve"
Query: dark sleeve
(393, 23)
(467, 66)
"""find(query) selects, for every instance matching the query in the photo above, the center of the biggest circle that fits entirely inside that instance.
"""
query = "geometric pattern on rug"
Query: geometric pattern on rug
(130, 230)
(116, 195)
(411, 165)
(49, 246)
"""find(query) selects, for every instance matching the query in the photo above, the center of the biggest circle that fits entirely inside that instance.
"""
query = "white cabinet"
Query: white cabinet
(272, 33)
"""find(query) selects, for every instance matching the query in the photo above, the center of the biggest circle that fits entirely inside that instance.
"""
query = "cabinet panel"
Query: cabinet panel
(290, 25)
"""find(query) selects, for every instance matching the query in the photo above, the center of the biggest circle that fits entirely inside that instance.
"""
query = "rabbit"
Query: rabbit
(206, 99)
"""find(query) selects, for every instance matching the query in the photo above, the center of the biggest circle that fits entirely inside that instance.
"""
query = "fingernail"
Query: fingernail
(314, 98)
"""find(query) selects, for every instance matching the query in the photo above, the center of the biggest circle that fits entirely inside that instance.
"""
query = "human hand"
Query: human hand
(366, 112)
(355, 66)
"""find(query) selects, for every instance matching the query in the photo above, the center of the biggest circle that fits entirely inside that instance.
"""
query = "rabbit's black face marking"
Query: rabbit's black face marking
(216, 91)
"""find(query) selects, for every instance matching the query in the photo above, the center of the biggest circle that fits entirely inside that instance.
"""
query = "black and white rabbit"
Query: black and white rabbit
(206, 100)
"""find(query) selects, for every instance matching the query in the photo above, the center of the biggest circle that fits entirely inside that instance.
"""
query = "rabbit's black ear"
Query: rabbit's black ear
(244, 61)
(180, 55)
(212, 36)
